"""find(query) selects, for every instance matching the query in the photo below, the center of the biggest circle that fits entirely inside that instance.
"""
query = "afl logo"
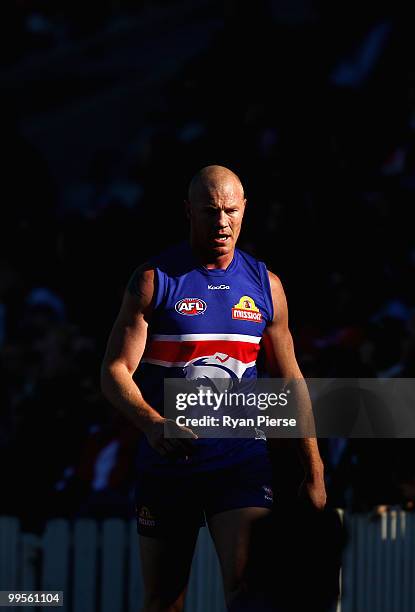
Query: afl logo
(190, 307)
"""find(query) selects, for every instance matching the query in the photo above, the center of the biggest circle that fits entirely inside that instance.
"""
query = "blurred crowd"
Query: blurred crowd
(325, 146)
(29, 27)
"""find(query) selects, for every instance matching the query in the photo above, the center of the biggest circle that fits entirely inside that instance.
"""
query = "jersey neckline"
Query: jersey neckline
(214, 271)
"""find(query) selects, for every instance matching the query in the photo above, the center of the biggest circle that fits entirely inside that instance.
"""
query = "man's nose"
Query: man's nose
(221, 220)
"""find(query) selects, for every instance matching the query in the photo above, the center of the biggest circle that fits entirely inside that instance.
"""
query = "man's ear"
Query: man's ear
(188, 209)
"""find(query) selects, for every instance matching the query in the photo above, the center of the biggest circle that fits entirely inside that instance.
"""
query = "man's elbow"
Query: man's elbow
(113, 373)
(109, 376)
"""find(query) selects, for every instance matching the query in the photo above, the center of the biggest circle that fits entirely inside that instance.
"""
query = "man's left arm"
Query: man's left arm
(281, 362)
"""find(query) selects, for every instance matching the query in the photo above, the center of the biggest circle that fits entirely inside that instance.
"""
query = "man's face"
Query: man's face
(216, 218)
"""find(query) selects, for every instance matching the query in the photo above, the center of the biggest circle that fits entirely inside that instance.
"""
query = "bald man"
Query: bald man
(198, 308)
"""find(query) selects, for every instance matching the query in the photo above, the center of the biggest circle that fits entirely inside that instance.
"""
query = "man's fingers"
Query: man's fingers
(165, 447)
(189, 431)
(175, 440)
(185, 441)
(185, 445)
(172, 430)
(181, 446)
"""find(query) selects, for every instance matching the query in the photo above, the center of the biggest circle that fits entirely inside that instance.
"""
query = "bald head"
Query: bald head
(213, 180)
(215, 207)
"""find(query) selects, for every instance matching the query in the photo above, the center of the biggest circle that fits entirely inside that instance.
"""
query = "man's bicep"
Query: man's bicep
(277, 340)
(129, 334)
(279, 351)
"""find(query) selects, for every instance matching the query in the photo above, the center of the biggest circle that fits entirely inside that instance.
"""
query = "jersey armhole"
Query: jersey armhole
(267, 290)
(159, 286)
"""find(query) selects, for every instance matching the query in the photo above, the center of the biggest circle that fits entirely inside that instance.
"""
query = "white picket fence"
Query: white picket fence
(97, 565)
(379, 564)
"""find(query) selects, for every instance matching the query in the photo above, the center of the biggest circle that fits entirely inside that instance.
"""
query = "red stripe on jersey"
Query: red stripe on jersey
(185, 351)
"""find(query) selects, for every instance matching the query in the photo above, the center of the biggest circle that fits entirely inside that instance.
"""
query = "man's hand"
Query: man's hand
(161, 436)
(313, 490)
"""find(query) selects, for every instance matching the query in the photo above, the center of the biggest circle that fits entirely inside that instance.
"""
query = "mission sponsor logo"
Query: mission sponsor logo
(190, 306)
(246, 310)
(145, 518)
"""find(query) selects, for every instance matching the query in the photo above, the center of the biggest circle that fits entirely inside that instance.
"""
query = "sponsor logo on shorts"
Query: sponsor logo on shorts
(246, 310)
(218, 287)
(190, 306)
(145, 518)
(268, 494)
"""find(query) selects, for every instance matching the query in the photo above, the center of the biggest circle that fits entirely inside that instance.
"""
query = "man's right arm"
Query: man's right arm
(124, 351)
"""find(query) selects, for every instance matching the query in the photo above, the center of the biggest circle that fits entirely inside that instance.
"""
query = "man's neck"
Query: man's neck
(212, 262)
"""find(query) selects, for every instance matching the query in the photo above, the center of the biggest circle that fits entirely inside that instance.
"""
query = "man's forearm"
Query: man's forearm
(307, 446)
(310, 457)
(119, 388)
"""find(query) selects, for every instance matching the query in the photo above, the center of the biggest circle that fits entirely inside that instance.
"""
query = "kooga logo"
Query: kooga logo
(218, 287)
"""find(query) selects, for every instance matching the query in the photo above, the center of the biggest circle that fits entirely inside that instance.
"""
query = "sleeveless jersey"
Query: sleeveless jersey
(205, 323)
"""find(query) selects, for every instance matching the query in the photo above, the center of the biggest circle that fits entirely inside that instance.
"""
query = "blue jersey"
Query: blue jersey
(205, 323)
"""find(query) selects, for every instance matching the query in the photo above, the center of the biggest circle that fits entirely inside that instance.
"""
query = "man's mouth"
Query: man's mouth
(221, 238)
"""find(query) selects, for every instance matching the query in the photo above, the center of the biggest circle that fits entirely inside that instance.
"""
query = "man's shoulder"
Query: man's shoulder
(250, 259)
(274, 279)
(142, 280)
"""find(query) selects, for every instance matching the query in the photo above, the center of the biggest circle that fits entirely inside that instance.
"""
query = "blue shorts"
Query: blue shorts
(166, 503)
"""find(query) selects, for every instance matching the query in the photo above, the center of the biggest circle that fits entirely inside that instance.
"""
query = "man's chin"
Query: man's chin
(223, 247)
(212, 250)
(221, 250)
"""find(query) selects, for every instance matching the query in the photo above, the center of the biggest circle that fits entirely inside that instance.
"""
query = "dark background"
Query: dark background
(106, 115)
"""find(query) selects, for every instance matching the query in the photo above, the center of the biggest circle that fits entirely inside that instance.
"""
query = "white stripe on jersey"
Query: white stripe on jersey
(182, 364)
(165, 364)
(196, 337)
